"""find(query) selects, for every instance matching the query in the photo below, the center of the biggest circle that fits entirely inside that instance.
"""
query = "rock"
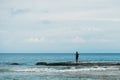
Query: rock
(14, 64)
(41, 63)
(63, 64)
(79, 63)
(57, 63)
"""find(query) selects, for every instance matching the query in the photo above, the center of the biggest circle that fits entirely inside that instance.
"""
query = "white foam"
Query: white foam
(36, 70)
(92, 69)
(65, 70)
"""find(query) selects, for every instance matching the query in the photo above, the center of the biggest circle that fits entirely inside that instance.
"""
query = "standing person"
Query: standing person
(77, 56)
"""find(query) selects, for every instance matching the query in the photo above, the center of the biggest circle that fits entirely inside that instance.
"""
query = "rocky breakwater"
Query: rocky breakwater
(79, 63)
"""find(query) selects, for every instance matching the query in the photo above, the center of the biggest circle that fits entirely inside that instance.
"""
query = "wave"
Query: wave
(72, 69)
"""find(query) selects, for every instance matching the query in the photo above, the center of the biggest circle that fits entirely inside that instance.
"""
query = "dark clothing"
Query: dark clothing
(77, 56)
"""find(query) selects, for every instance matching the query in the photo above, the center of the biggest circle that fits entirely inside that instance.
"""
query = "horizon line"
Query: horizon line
(61, 52)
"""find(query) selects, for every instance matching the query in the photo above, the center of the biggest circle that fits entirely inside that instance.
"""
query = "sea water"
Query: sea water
(27, 70)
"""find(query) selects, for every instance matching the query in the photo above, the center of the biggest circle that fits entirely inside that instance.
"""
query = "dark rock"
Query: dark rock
(41, 63)
(63, 64)
(79, 63)
(14, 64)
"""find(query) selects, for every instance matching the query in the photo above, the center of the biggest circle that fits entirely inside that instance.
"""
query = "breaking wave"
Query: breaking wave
(72, 69)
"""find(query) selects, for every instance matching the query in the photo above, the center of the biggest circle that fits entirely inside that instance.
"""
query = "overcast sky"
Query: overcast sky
(46, 26)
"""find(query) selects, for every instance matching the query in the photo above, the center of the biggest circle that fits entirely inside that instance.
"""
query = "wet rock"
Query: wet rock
(79, 63)
(41, 63)
(14, 64)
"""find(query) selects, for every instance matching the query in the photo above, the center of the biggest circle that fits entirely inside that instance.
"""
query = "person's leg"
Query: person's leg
(76, 59)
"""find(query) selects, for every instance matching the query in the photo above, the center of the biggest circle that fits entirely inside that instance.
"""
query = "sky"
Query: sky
(59, 26)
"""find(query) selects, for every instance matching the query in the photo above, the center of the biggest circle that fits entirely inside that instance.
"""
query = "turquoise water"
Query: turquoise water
(27, 70)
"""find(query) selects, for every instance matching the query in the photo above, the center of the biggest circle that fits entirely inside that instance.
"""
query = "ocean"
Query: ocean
(25, 69)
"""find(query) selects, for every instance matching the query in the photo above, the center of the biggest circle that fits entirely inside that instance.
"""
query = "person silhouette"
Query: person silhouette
(77, 56)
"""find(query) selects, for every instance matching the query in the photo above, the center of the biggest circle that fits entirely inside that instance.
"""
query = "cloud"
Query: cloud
(101, 40)
(65, 16)
(45, 22)
(19, 11)
(27, 16)
(28, 11)
(78, 40)
(36, 40)
(109, 19)
(3, 31)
